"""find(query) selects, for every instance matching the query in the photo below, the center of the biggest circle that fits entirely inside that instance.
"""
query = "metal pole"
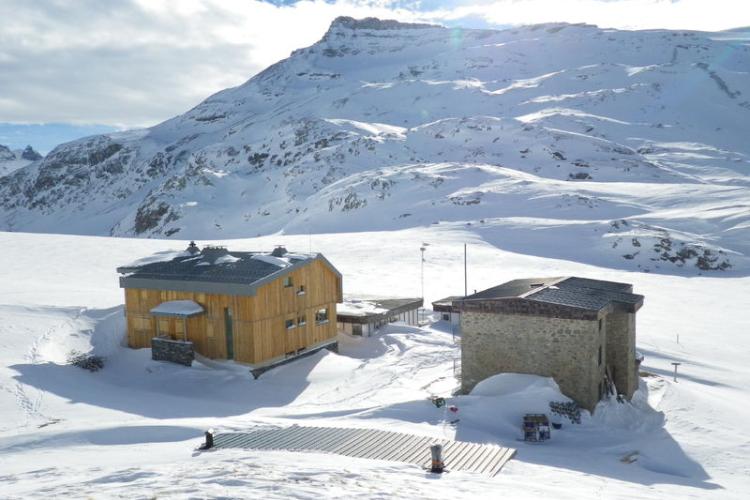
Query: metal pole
(436, 451)
(422, 272)
(675, 370)
(466, 282)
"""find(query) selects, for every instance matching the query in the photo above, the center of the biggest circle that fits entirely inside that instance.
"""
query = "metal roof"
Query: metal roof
(215, 271)
(392, 307)
(515, 288)
(574, 292)
(447, 301)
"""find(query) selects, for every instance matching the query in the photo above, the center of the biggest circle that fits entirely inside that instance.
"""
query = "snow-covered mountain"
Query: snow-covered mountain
(618, 148)
(13, 159)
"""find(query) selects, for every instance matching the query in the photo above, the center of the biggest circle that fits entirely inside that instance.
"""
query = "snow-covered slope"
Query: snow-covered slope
(130, 430)
(13, 159)
(621, 148)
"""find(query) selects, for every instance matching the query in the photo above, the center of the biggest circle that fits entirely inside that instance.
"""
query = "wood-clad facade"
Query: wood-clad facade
(293, 311)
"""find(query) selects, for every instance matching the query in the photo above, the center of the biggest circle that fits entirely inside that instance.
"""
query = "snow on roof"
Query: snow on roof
(163, 256)
(355, 307)
(226, 259)
(181, 308)
(270, 259)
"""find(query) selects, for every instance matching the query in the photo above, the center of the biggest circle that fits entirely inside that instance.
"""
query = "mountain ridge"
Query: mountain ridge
(625, 141)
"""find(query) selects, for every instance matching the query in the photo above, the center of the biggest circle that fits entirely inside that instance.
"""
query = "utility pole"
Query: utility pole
(422, 249)
(675, 370)
(466, 279)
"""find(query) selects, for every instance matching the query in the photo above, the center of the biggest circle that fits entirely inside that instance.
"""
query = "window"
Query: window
(321, 316)
(288, 282)
(301, 321)
(600, 325)
(301, 290)
(600, 355)
(446, 317)
(142, 323)
(289, 324)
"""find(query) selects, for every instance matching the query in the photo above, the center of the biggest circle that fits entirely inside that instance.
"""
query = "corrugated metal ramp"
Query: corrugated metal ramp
(377, 445)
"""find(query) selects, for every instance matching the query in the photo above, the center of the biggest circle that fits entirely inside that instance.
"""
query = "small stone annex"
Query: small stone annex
(579, 331)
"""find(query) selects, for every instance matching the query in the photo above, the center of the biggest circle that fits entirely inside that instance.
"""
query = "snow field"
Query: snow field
(131, 428)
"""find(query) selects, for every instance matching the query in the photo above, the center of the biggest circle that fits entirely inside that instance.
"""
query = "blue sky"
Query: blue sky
(44, 137)
(133, 63)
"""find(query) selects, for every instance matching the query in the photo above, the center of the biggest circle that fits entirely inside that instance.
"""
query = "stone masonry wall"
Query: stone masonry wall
(176, 351)
(565, 349)
(621, 351)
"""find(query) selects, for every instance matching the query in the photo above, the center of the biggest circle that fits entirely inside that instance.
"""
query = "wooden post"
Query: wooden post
(437, 458)
(209, 440)
(675, 370)
(184, 328)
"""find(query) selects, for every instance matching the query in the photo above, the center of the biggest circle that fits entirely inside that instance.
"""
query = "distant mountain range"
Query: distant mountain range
(618, 148)
(13, 159)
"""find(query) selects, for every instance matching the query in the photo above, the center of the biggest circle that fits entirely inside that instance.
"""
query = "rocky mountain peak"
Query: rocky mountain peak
(30, 154)
(6, 154)
(373, 23)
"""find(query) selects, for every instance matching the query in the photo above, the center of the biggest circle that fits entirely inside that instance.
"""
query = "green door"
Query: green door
(228, 334)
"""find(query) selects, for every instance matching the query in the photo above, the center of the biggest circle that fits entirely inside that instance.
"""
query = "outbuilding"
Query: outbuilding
(363, 316)
(444, 307)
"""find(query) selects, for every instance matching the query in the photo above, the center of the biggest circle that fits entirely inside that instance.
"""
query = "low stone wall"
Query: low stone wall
(176, 351)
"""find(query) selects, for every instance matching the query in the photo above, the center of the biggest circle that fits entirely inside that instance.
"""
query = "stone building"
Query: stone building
(579, 331)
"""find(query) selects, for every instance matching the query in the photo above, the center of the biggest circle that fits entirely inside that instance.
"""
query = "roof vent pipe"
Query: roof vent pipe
(211, 253)
(279, 251)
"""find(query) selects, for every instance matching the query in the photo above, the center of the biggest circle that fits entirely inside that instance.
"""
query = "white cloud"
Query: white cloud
(140, 62)
(134, 63)
(705, 15)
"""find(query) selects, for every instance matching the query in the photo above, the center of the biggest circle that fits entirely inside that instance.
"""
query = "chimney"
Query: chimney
(212, 253)
(192, 248)
(279, 251)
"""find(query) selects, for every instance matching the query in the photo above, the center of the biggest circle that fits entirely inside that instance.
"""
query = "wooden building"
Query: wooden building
(253, 307)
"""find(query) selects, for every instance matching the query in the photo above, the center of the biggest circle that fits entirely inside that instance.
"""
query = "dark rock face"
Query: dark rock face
(6, 153)
(148, 217)
(30, 154)
(373, 23)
